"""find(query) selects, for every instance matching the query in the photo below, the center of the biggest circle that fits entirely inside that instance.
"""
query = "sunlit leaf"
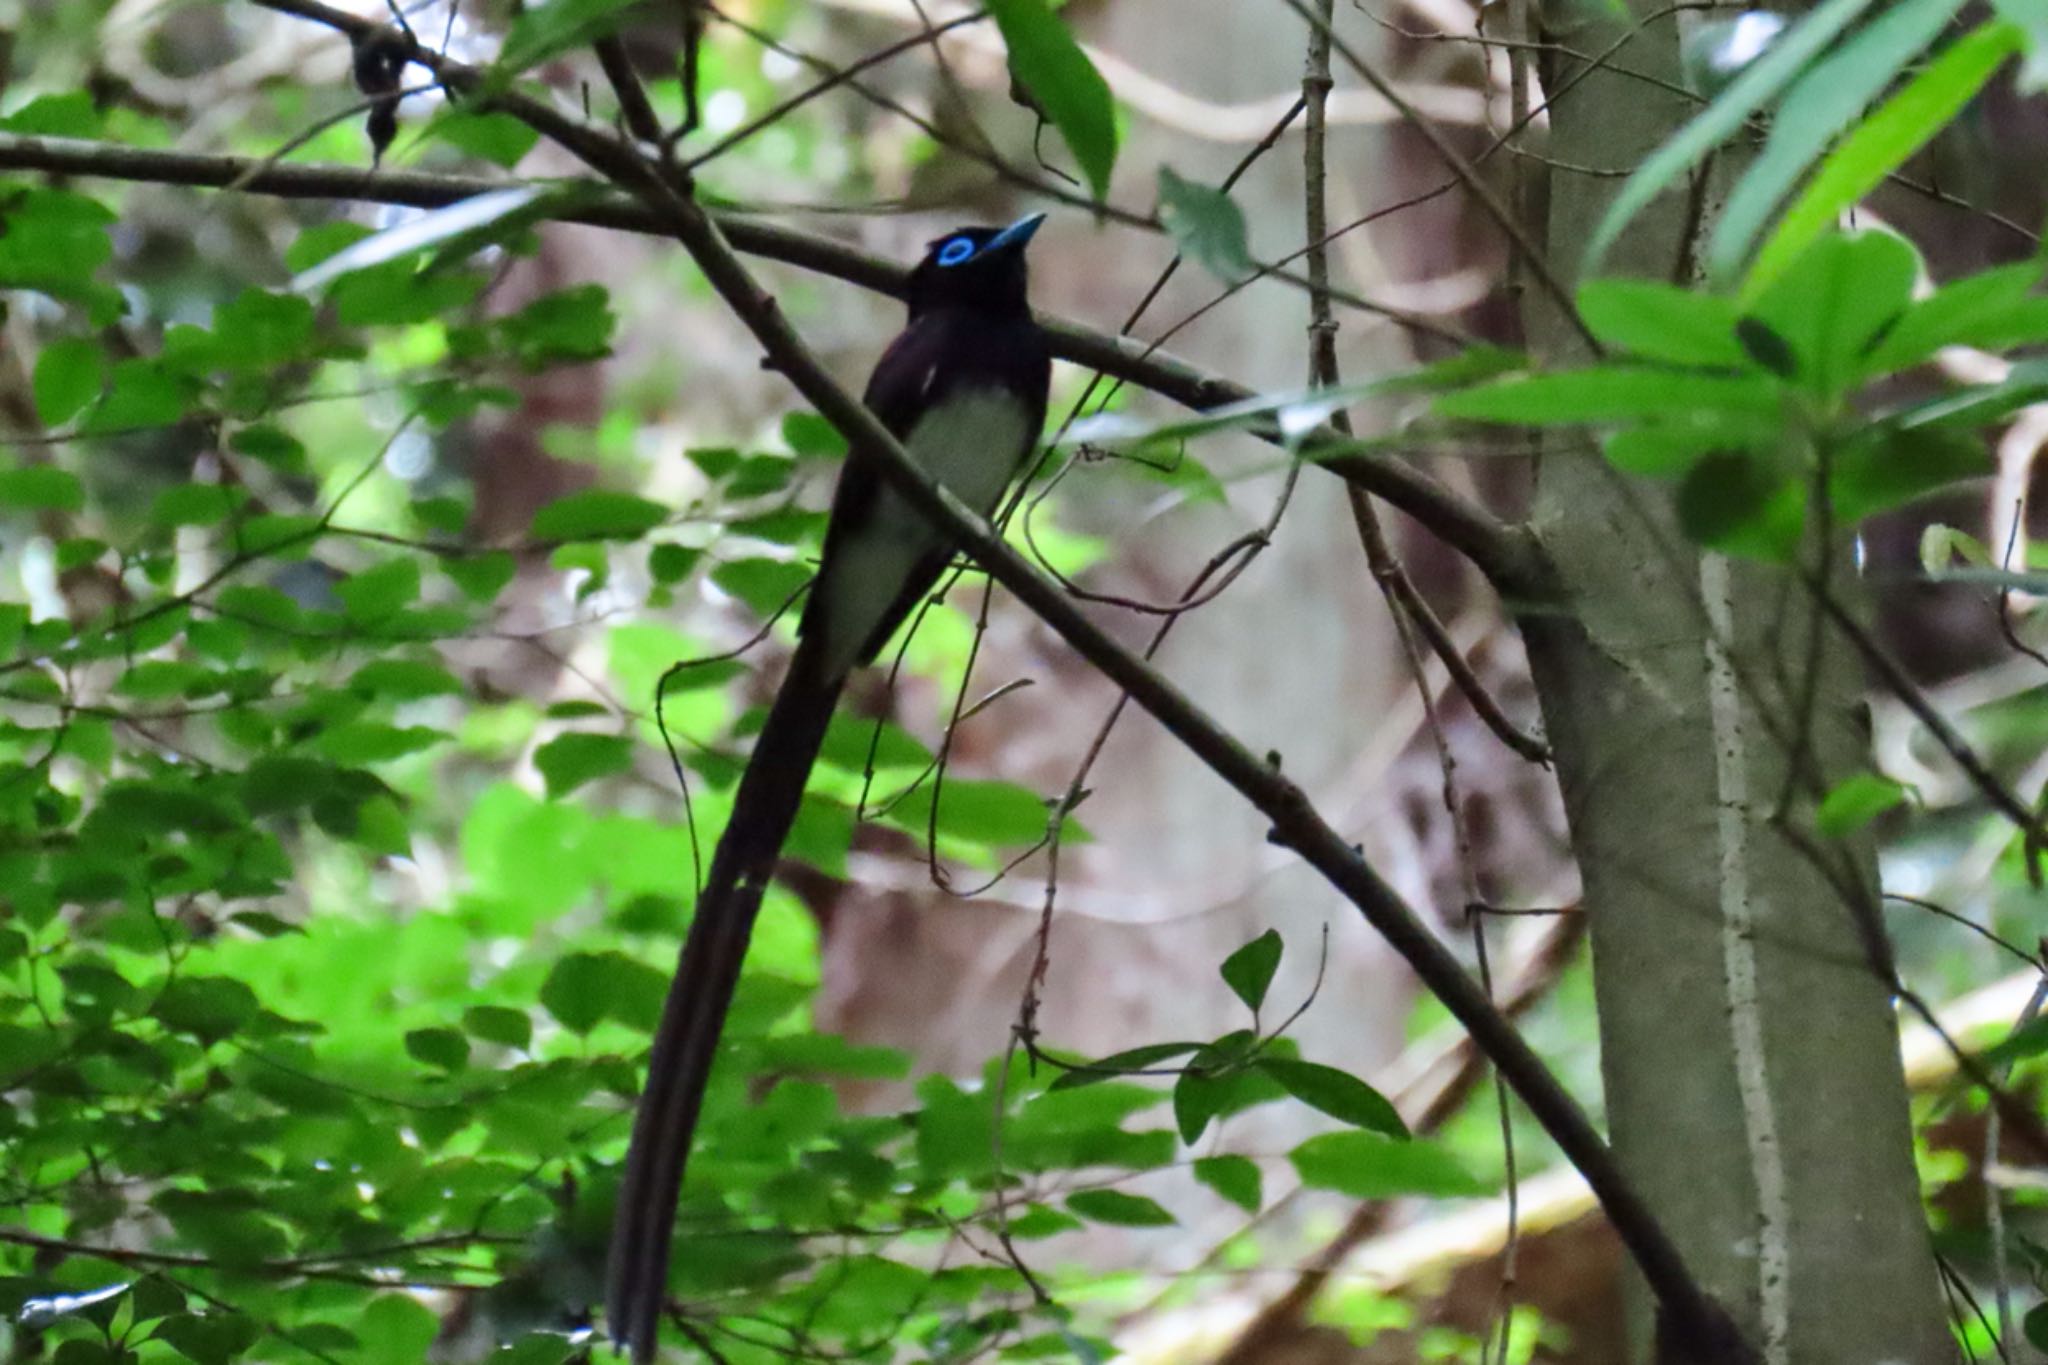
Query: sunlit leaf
(1371, 1166)
(1881, 143)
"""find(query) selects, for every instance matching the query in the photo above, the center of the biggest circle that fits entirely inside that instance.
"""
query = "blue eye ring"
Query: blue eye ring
(956, 251)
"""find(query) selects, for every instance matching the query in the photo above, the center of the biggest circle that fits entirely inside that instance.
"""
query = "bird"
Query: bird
(963, 387)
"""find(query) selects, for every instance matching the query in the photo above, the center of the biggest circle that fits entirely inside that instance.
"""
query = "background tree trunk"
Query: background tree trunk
(1753, 1082)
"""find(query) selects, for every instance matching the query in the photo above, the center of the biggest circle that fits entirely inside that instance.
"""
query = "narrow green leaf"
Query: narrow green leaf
(474, 214)
(1609, 393)
(1236, 1178)
(1249, 970)
(1659, 321)
(1207, 226)
(1748, 93)
(995, 814)
(1122, 1064)
(1339, 1094)
(1855, 802)
(1047, 61)
(1370, 1166)
(1824, 101)
(1119, 1209)
(1994, 309)
(1881, 143)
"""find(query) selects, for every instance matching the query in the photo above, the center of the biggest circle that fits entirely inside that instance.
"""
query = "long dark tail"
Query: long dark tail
(686, 1043)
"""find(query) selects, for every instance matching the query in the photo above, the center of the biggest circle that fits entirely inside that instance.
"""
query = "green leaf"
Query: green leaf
(1897, 465)
(1249, 970)
(444, 1048)
(994, 814)
(197, 504)
(1669, 450)
(1738, 503)
(257, 330)
(1119, 1209)
(69, 374)
(1371, 1166)
(1339, 1094)
(569, 325)
(481, 577)
(1122, 1064)
(1855, 802)
(377, 593)
(403, 680)
(1609, 393)
(1832, 305)
(1236, 1178)
(497, 138)
(811, 436)
(597, 514)
(498, 1024)
(71, 114)
(139, 394)
(1748, 93)
(1207, 226)
(1198, 1097)
(584, 989)
(2036, 1326)
(1994, 309)
(568, 761)
(40, 487)
(1046, 61)
(1881, 143)
(543, 31)
(1660, 321)
(764, 584)
(207, 1007)
(1828, 96)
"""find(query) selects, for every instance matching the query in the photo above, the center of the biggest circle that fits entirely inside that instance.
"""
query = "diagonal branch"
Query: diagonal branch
(1508, 556)
(1687, 1312)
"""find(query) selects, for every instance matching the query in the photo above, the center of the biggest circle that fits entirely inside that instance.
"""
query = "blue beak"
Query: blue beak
(1016, 234)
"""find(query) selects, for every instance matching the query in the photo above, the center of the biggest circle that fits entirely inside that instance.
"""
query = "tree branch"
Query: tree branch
(1685, 1308)
(1509, 556)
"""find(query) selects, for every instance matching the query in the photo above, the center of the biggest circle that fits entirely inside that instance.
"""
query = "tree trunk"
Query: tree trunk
(1752, 1073)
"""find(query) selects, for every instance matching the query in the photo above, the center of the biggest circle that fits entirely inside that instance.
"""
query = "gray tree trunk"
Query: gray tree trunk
(1752, 1071)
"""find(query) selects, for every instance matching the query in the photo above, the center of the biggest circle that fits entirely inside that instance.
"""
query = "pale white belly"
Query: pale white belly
(969, 443)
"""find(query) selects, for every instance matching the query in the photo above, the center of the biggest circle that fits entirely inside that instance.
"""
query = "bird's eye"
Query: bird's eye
(956, 251)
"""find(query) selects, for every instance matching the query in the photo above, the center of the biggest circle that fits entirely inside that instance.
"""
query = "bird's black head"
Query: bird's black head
(975, 267)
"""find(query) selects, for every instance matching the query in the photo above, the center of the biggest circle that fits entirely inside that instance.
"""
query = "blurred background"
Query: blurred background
(500, 867)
